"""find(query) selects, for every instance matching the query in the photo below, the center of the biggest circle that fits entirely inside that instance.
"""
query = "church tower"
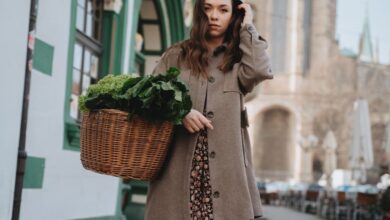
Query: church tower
(366, 49)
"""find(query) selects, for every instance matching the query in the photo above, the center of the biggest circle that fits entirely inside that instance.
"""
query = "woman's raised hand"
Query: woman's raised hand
(195, 121)
(248, 19)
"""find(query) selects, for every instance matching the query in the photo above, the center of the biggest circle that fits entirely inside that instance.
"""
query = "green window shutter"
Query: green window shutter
(43, 57)
(33, 177)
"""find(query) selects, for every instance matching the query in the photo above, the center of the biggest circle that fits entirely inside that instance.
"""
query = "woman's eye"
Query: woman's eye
(224, 10)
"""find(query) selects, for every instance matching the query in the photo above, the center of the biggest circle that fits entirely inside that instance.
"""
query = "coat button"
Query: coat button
(212, 154)
(211, 79)
(251, 28)
(216, 194)
(210, 114)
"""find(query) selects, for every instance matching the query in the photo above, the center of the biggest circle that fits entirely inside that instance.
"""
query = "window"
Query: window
(149, 34)
(279, 35)
(87, 50)
(84, 62)
(149, 27)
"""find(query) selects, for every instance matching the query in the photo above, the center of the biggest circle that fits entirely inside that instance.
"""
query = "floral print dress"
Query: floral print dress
(201, 204)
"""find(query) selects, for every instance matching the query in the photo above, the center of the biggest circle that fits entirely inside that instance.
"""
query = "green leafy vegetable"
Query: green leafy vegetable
(155, 98)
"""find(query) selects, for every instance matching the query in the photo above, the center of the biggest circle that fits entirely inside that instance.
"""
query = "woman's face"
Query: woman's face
(219, 13)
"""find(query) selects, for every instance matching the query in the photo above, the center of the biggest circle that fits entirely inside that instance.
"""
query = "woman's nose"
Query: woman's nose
(214, 15)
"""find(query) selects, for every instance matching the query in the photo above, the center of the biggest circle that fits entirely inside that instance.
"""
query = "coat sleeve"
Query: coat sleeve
(254, 66)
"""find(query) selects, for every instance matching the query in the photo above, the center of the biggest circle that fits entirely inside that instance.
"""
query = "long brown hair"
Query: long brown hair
(195, 50)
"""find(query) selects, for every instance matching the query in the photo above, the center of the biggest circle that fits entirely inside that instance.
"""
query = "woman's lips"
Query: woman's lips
(214, 26)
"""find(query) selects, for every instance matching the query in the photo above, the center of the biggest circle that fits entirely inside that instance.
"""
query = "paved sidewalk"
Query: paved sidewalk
(283, 213)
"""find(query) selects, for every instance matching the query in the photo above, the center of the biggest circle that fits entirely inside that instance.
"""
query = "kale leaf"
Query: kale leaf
(162, 97)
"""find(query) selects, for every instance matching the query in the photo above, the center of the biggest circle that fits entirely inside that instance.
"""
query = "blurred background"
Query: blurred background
(320, 130)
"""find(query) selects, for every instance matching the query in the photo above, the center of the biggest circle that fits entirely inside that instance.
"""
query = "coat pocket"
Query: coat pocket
(231, 83)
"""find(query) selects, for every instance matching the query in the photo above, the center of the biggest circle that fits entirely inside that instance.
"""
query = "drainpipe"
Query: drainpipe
(22, 154)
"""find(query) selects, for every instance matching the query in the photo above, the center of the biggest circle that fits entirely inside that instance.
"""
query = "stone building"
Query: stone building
(313, 91)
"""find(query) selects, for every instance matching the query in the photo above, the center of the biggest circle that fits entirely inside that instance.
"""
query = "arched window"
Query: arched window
(150, 35)
(160, 23)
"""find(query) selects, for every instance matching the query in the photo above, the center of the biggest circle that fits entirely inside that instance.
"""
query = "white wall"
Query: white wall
(14, 17)
(69, 191)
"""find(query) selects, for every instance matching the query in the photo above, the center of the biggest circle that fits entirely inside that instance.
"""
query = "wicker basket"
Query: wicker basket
(113, 145)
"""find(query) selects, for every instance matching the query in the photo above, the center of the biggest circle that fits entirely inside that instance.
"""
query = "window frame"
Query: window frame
(140, 56)
(76, 36)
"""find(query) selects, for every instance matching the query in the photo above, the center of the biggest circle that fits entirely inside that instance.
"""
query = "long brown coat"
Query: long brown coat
(232, 179)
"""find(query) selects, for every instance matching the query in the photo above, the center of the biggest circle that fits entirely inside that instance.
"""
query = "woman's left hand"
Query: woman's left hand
(248, 19)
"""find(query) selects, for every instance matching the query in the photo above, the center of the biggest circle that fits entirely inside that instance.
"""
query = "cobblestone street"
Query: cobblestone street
(283, 213)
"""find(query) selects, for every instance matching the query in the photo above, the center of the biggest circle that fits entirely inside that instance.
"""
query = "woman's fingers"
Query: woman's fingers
(188, 126)
(195, 127)
(187, 121)
(248, 19)
(191, 126)
(244, 6)
(206, 122)
(189, 129)
(195, 121)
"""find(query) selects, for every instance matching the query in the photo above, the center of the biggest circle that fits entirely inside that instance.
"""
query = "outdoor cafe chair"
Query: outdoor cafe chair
(269, 198)
(310, 201)
(343, 205)
(325, 204)
(297, 200)
(364, 202)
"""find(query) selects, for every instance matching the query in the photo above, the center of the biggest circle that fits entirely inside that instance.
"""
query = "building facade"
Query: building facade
(76, 43)
(313, 91)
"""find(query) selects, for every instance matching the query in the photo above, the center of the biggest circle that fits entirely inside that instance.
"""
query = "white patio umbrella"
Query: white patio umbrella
(330, 162)
(386, 140)
(361, 151)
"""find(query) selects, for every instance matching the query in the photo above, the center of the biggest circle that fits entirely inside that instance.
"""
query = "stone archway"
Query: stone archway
(274, 148)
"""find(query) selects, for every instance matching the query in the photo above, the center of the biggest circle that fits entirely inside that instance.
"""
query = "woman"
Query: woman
(209, 172)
